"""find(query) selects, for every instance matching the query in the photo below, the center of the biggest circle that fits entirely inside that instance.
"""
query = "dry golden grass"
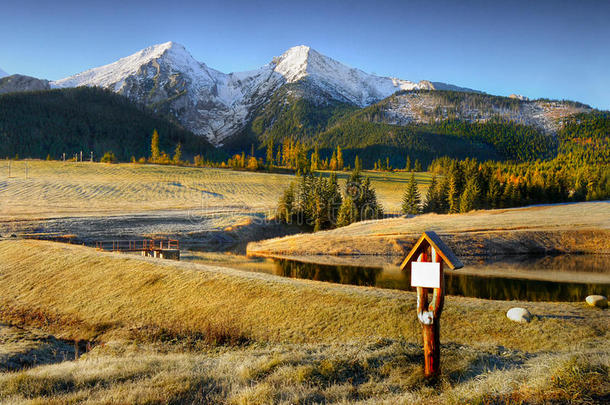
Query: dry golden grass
(84, 294)
(382, 371)
(56, 188)
(578, 227)
(282, 340)
(21, 348)
(68, 189)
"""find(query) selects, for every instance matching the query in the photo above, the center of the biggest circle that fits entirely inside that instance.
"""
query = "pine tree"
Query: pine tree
(470, 197)
(286, 152)
(408, 164)
(177, 154)
(285, 209)
(368, 206)
(411, 198)
(455, 188)
(357, 164)
(333, 162)
(417, 166)
(442, 196)
(339, 158)
(315, 159)
(347, 212)
(494, 193)
(155, 153)
(431, 204)
(270, 153)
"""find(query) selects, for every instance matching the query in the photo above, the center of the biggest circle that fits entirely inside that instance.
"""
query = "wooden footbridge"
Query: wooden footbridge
(161, 248)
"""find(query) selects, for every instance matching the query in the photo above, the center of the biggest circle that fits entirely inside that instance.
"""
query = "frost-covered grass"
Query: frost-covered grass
(70, 189)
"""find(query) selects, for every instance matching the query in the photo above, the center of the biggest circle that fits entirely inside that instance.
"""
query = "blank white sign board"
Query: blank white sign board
(426, 275)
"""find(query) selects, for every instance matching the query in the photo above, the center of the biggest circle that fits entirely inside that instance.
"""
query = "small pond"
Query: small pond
(530, 278)
(549, 278)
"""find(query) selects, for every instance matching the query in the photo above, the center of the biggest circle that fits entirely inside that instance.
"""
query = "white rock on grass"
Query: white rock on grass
(520, 315)
(597, 301)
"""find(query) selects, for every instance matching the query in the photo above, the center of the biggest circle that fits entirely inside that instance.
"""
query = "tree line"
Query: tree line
(466, 185)
(317, 202)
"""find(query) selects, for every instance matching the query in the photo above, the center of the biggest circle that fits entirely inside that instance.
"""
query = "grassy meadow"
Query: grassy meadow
(37, 189)
(174, 332)
(557, 228)
(84, 326)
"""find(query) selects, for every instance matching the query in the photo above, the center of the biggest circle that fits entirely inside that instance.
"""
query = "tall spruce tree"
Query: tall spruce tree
(357, 164)
(155, 152)
(469, 199)
(177, 154)
(455, 188)
(270, 153)
(339, 158)
(411, 199)
(431, 204)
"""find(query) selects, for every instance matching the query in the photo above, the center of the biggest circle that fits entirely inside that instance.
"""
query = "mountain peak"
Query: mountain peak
(175, 56)
(3, 73)
(292, 64)
(219, 105)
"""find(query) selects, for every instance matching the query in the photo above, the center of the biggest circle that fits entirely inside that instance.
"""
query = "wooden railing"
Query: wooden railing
(138, 245)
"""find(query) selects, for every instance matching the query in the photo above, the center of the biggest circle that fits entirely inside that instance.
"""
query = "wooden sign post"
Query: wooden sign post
(426, 260)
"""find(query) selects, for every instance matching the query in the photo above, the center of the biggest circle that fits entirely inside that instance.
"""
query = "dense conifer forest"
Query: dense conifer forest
(54, 122)
(366, 132)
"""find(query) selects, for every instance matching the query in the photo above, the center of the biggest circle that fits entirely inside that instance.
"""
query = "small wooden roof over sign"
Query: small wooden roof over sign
(430, 238)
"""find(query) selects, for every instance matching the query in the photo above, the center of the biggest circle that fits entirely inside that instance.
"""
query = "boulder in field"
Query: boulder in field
(597, 301)
(520, 315)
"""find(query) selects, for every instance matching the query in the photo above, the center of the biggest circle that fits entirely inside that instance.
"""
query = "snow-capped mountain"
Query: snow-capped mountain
(168, 79)
(340, 81)
(218, 105)
(3, 73)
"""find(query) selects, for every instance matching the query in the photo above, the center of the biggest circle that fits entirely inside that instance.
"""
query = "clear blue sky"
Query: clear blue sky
(538, 48)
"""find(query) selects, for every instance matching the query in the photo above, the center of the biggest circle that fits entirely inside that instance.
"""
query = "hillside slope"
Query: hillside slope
(567, 228)
(53, 122)
(455, 124)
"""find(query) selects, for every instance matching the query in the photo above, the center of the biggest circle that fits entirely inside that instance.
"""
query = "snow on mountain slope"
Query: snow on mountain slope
(113, 75)
(429, 107)
(168, 79)
(210, 103)
(3, 73)
(343, 82)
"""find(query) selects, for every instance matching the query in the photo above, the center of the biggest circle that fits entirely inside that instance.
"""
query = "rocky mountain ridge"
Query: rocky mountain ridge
(216, 105)
(234, 108)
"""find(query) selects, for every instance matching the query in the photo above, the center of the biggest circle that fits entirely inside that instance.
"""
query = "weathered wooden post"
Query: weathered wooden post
(426, 260)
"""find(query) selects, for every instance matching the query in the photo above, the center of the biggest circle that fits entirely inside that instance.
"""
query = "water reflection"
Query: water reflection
(468, 285)
(366, 276)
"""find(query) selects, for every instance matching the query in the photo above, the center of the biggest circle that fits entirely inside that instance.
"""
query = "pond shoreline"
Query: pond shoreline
(580, 228)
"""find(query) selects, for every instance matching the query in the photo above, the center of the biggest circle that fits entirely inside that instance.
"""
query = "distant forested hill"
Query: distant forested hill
(389, 129)
(585, 138)
(37, 124)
